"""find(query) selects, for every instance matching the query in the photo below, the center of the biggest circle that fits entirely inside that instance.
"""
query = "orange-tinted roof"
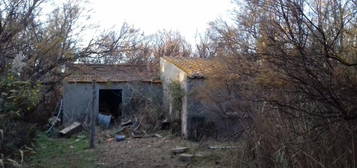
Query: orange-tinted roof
(195, 67)
(110, 73)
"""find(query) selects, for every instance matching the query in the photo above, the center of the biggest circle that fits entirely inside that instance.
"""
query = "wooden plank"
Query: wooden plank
(74, 127)
(179, 150)
(223, 147)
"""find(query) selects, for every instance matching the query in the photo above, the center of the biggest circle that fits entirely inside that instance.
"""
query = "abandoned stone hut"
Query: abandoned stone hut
(116, 91)
(196, 116)
(174, 87)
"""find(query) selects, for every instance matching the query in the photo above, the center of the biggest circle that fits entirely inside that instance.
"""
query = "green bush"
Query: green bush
(17, 101)
(17, 97)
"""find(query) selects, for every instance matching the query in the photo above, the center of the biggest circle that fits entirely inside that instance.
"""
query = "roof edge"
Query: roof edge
(142, 81)
(193, 76)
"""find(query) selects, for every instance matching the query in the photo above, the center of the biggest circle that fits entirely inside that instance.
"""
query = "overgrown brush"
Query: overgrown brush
(18, 100)
(146, 107)
(276, 141)
(296, 62)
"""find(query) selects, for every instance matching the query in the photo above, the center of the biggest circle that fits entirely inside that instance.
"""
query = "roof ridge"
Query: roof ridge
(124, 64)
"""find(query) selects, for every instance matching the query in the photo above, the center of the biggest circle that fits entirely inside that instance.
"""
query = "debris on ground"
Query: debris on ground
(187, 157)
(157, 136)
(179, 150)
(132, 128)
(104, 120)
(121, 129)
(126, 123)
(71, 129)
(120, 138)
(222, 147)
(153, 152)
(110, 140)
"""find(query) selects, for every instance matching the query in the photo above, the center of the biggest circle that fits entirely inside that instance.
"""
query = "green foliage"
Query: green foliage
(177, 93)
(18, 99)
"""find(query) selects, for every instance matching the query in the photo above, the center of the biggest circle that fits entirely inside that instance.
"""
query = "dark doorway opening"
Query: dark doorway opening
(110, 101)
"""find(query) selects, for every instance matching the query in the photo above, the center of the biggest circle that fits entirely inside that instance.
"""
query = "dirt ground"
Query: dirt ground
(155, 152)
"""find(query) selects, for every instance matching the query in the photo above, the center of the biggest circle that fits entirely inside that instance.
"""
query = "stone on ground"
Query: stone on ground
(179, 150)
(185, 157)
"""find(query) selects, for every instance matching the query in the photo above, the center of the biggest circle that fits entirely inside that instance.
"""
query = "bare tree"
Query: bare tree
(114, 47)
(15, 17)
(296, 62)
(172, 44)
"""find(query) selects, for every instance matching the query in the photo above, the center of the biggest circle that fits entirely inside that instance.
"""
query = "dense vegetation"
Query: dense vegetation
(297, 67)
(38, 38)
(294, 66)
(17, 103)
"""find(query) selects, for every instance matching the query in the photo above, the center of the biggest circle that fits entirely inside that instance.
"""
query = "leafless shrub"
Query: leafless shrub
(148, 107)
(296, 62)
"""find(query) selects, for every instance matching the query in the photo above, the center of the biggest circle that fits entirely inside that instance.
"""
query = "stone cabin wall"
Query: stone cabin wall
(77, 97)
(193, 114)
(197, 117)
(168, 74)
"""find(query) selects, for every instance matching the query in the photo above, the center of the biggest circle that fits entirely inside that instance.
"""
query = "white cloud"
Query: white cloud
(185, 16)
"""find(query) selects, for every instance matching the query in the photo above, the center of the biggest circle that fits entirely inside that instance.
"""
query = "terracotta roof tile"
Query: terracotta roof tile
(196, 67)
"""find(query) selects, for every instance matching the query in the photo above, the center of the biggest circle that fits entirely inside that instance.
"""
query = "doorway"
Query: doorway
(110, 102)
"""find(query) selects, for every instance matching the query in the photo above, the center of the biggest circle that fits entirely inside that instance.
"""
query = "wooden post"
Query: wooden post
(92, 118)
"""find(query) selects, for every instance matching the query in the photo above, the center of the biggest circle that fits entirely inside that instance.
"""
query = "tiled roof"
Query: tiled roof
(110, 73)
(196, 67)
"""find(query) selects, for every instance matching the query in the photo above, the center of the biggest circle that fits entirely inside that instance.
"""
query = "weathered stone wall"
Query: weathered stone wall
(193, 115)
(77, 97)
(168, 74)
(197, 114)
(197, 117)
